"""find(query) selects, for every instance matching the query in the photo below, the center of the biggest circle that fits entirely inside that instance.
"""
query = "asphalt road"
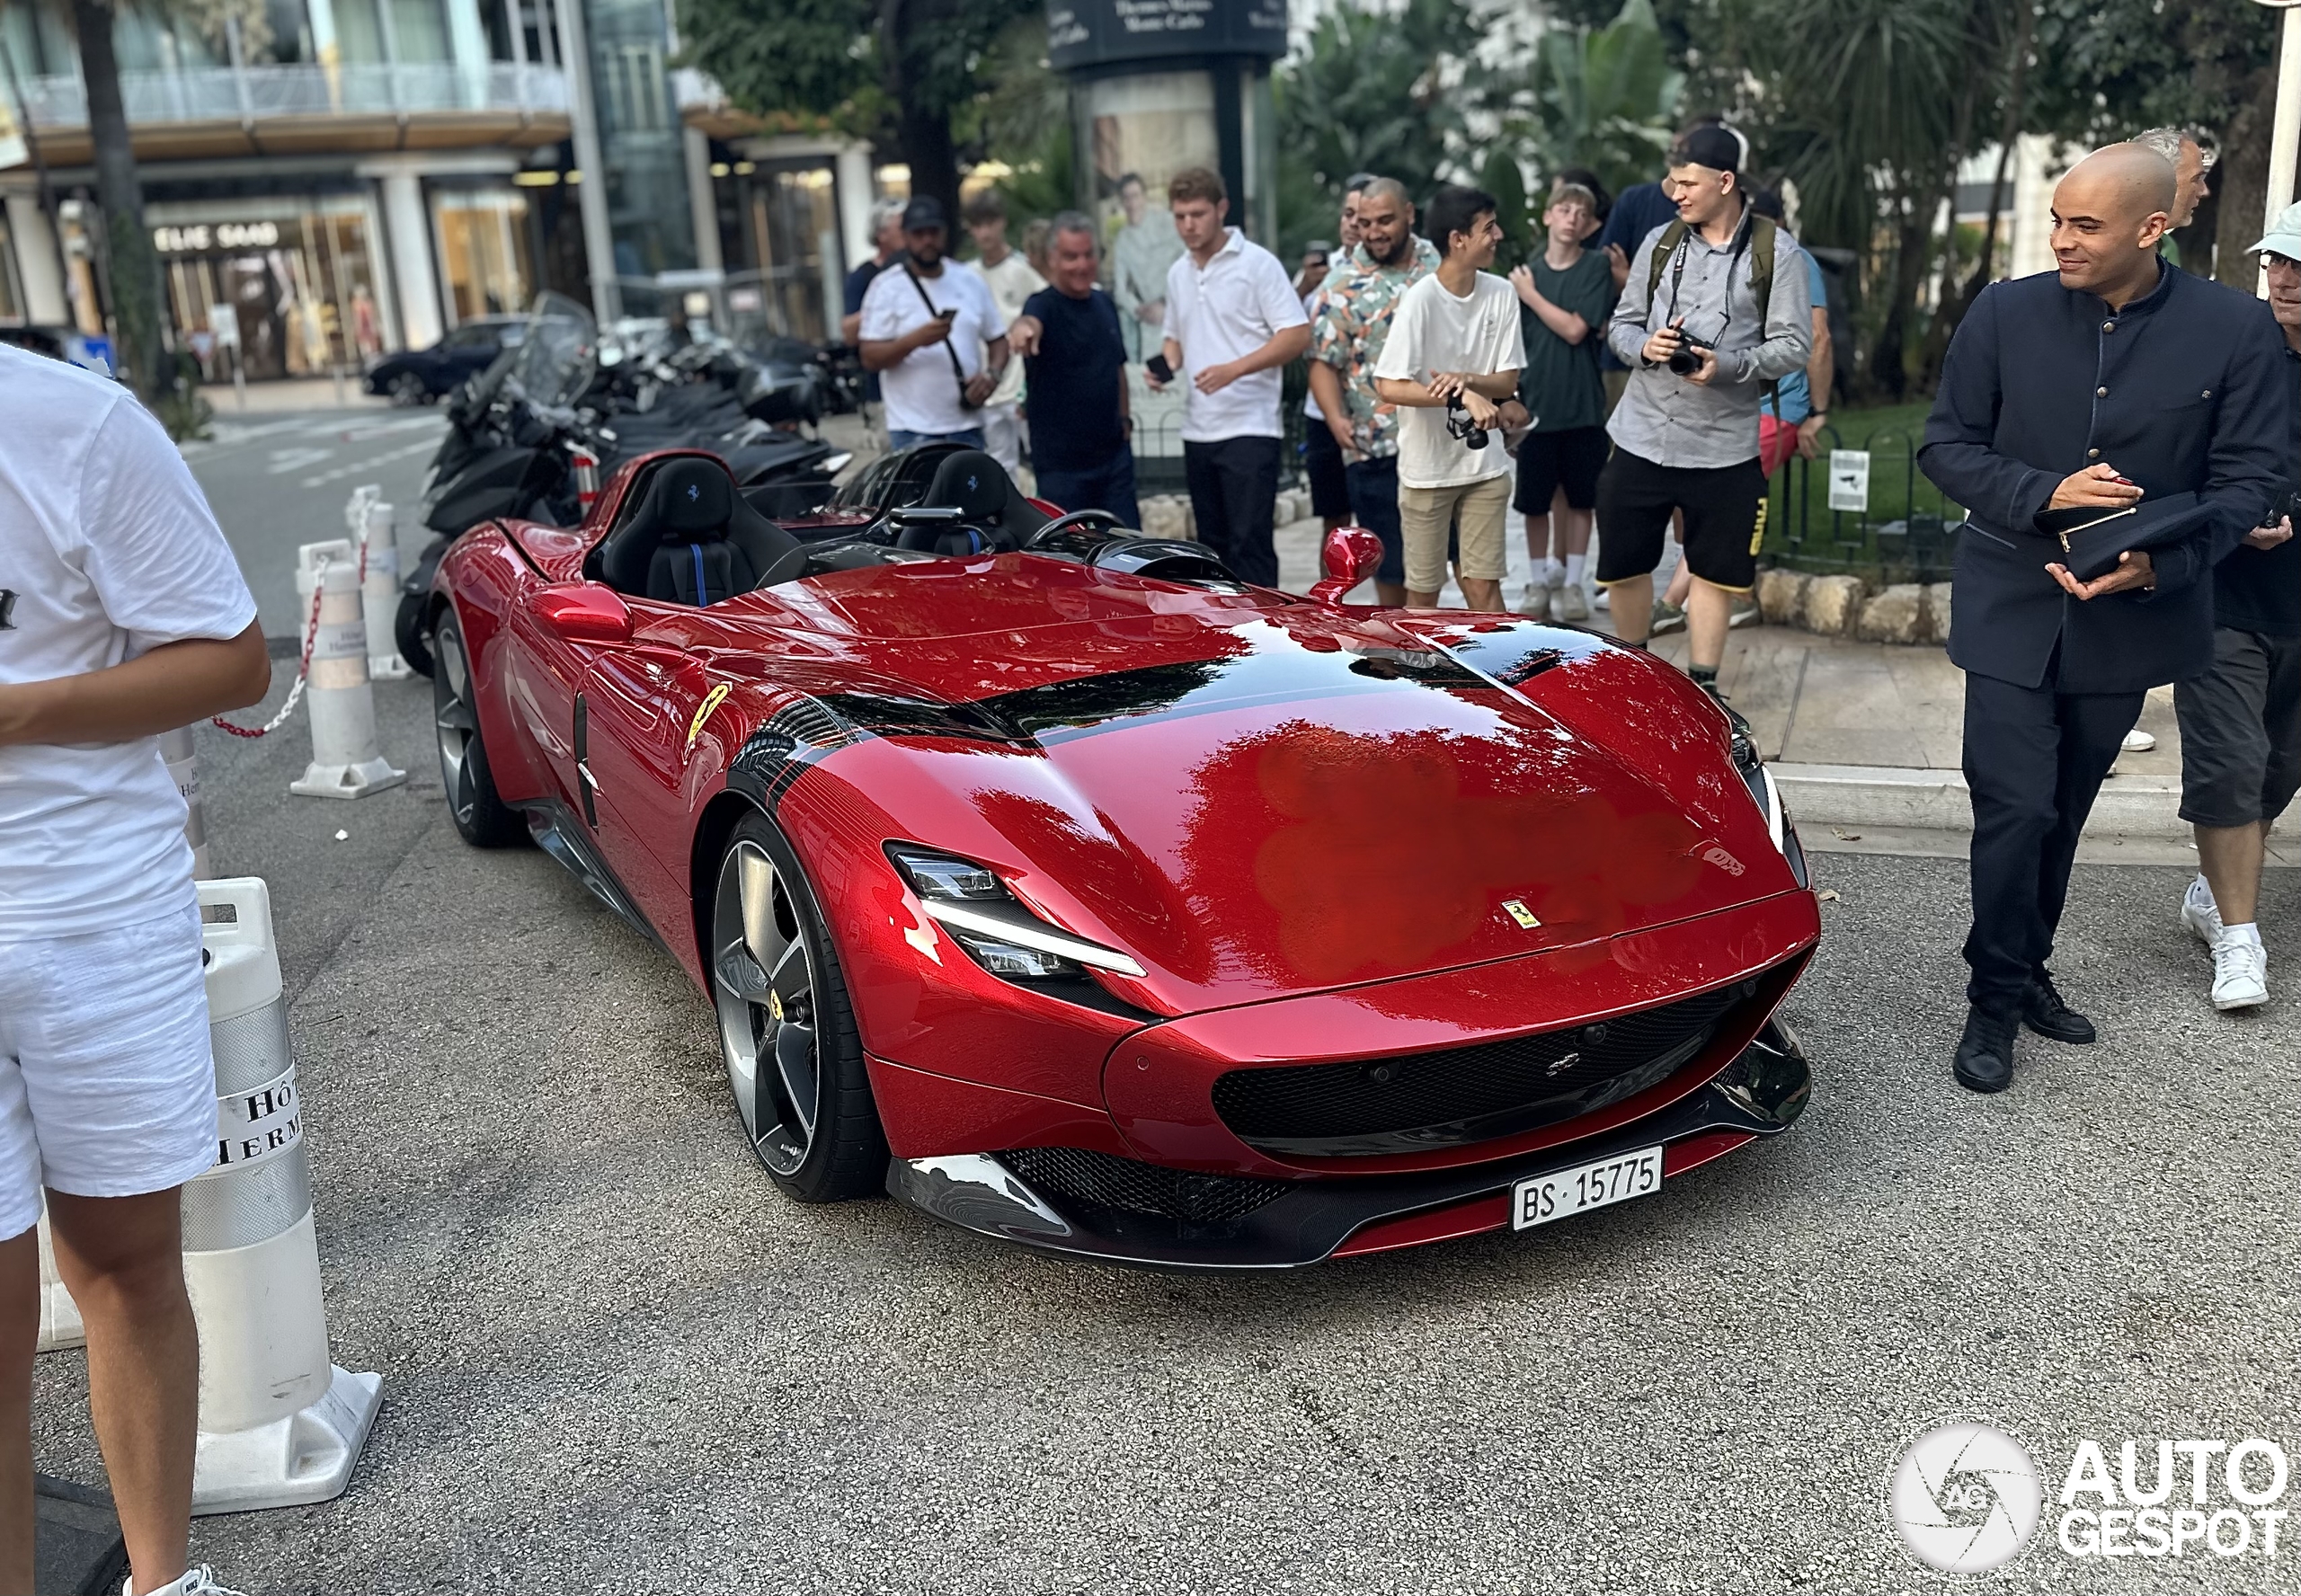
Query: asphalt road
(615, 1359)
(278, 481)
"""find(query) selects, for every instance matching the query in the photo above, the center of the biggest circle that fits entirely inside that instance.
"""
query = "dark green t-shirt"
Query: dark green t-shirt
(1560, 384)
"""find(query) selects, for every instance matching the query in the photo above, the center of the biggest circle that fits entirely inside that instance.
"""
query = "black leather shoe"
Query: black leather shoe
(2044, 1011)
(1985, 1060)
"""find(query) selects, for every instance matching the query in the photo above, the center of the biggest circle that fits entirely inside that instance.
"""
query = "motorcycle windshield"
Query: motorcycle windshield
(555, 361)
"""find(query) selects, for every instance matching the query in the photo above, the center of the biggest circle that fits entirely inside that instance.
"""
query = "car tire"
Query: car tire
(408, 389)
(408, 632)
(786, 1028)
(482, 818)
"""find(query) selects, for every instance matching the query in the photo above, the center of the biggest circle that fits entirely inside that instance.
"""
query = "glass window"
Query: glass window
(795, 228)
(12, 298)
(485, 252)
(292, 271)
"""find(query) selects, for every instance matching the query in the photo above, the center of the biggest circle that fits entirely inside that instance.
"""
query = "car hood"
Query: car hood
(1259, 803)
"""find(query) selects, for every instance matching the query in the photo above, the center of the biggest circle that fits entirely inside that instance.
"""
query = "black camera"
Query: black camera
(1684, 360)
(1460, 425)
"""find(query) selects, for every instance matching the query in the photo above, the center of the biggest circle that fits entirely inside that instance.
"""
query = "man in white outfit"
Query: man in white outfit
(123, 615)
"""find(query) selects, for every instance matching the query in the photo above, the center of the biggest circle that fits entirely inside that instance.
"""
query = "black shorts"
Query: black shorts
(1549, 460)
(2241, 730)
(1322, 463)
(1636, 497)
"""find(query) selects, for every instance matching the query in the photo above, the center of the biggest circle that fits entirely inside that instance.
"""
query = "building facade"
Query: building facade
(327, 181)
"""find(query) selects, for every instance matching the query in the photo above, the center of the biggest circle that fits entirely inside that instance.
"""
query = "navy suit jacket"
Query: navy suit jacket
(2179, 390)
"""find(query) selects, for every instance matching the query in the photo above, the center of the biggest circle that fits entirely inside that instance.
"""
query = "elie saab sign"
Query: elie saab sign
(1093, 33)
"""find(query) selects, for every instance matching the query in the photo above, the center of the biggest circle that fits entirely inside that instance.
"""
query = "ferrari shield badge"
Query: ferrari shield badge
(711, 700)
(1519, 912)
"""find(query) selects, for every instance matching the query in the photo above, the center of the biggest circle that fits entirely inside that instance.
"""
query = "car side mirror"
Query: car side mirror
(1350, 555)
(583, 612)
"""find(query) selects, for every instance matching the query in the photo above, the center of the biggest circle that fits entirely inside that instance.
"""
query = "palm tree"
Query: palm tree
(132, 266)
(1608, 97)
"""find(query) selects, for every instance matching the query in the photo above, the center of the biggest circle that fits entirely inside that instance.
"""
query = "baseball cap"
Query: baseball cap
(926, 211)
(2284, 238)
(1718, 147)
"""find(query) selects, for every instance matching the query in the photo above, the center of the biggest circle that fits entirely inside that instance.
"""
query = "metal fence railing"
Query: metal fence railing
(262, 91)
(1904, 535)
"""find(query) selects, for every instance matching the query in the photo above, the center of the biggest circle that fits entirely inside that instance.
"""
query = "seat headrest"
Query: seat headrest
(971, 483)
(690, 497)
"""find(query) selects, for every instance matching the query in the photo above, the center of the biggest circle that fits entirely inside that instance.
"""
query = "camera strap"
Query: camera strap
(1755, 235)
(950, 344)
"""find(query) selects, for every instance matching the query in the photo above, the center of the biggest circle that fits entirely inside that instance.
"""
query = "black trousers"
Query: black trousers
(1233, 497)
(2035, 759)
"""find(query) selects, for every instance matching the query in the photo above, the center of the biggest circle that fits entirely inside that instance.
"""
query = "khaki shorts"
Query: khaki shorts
(1426, 515)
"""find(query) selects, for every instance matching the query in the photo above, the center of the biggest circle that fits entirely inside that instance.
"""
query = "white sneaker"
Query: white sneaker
(196, 1582)
(1553, 577)
(2200, 914)
(2240, 973)
(2138, 742)
(1568, 605)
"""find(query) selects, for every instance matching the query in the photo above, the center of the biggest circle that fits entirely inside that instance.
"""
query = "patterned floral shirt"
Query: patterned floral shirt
(1352, 324)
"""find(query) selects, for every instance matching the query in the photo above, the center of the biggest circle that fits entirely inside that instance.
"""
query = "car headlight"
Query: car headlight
(978, 912)
(1766, 793)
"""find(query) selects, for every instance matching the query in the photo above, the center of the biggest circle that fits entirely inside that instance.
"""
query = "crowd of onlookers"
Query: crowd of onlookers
(1636, 380)
(1431, 414)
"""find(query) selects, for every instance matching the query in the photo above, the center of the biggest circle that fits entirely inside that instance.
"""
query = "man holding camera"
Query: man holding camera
(1714, 312)
(1452, 356)
(921, 300)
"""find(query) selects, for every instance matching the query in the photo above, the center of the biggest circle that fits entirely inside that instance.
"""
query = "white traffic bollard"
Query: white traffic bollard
(280, 1423)
(345, 760)
(182, 757)
(59, 1315)
(380, 596)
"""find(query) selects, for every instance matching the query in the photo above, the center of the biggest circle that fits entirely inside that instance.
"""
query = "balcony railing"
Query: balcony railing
(257, 93)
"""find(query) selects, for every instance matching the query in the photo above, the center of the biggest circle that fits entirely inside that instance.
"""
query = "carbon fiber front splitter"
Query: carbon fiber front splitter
(1759, 1094)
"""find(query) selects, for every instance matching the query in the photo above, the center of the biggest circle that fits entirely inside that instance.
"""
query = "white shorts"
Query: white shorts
(107, 1086)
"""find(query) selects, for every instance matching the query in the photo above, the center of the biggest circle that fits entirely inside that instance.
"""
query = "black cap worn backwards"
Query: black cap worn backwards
(1715, 147)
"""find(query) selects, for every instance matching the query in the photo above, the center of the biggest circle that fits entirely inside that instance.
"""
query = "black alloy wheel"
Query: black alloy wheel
(786, 1030)
(482, 817)
(409, 389)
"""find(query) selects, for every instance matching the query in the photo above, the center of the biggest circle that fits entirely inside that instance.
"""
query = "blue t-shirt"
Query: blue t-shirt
(1637, 210)
(1797, 398)
(1071, 386)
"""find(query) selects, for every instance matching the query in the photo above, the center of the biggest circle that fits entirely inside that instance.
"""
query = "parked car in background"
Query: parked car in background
(418, 376)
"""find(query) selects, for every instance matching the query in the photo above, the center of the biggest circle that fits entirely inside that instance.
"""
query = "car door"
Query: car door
(635, 730)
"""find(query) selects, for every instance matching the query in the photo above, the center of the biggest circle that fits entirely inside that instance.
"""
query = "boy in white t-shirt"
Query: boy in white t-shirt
(123, 615)
(1455, 349)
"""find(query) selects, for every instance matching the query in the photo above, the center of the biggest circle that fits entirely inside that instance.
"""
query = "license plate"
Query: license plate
(1567, 1191)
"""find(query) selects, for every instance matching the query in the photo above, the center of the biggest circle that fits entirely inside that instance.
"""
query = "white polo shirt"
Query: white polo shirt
(1220, 311)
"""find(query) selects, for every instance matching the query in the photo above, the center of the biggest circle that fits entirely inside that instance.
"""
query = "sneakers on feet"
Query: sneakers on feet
(2138, 742)
(2199, 913)
(1568, 605)
(196, 1582)
(1745, 613)
(1667, 617)
(2240, 973)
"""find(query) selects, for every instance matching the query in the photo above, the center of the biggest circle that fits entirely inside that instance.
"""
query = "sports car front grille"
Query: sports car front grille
(1413, 1102)
(1111, 1182)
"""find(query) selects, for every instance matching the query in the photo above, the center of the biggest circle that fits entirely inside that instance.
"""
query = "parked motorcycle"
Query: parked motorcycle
(566, 405)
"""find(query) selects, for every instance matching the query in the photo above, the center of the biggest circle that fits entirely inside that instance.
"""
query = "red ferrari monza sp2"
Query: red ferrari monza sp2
(1052, 880)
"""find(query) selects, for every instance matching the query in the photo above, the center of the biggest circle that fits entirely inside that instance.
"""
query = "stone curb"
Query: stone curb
(1853, 795)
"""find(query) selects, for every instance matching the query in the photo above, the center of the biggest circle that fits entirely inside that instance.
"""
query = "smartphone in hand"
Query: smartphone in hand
(1158, 366)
